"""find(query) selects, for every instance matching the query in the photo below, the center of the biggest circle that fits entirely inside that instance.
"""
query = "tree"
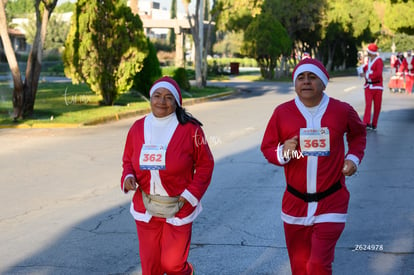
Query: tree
(105, 48)
(150, 72)
(202, 41)
(57, 32)
(302, 20)
(19, 8)
(24, 92)
(195, 21)
(399, 17)
(236, 15)
(229, 43)
(266, 40)
(356, 14)
(338, 47)
(345, 27)
(173, 15)
(65, 7)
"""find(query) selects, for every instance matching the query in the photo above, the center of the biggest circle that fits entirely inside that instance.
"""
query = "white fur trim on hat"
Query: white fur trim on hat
(311, 68)
(372, 49)
(169, 87)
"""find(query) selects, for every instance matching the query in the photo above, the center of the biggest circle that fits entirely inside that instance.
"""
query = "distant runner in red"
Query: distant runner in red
(407, 68)
(372, 72)
(306, 137)
(398, 62)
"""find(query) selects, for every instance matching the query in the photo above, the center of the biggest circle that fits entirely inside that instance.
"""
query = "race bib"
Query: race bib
(152, 157)
(314, 142)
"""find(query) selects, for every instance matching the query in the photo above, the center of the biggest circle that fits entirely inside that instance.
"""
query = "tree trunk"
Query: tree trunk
(202, 50)
(197, 33)
(208, 45)
(34, 62)
(12, 61)
(331, 53)
(24, 94)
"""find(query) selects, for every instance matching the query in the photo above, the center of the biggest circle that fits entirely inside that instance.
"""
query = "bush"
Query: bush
(149, 73)
(56, 68)
(180, 76)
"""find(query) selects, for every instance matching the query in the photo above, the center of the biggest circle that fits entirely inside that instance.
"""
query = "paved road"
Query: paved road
(62, 211)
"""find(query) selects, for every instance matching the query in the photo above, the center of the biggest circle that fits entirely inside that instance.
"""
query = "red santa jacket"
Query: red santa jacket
(189, 165)
(407, 66)
(397, 64)
(373, 74)
(315, 174)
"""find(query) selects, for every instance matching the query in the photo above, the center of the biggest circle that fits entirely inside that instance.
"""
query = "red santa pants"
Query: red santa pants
(311, 249)
(163, 247)
(409, 81)
(372, 95)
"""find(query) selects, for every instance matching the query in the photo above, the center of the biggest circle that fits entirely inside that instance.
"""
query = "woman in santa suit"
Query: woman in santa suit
(306, 137)
(396, 64)
(372, 72)
(168, 164)
(407, 68)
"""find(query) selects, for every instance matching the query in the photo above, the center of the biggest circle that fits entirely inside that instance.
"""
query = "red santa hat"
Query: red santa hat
(169, 84)
(372, 49)
(313, 66)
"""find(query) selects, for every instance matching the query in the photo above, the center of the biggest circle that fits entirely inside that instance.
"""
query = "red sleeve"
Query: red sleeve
(356, 134)
(271, 140)
(203, 165)
(128, 153)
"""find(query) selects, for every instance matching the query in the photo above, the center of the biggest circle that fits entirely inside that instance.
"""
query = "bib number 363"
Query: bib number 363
(314, 142)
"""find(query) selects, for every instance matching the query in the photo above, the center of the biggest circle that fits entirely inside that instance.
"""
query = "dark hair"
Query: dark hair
(183, 116)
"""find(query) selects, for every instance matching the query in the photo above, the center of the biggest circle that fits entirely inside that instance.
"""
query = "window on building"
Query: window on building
(156, 5)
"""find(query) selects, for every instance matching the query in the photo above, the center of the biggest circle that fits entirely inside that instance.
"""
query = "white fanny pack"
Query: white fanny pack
(161, 206)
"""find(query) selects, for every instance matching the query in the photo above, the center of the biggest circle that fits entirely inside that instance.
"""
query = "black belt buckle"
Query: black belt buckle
(312, 197)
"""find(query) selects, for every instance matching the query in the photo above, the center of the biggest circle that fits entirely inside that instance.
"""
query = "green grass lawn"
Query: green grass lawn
(68, 104)
(65, 103)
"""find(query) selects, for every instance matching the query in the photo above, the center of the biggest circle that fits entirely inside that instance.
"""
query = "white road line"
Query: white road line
(347, 90)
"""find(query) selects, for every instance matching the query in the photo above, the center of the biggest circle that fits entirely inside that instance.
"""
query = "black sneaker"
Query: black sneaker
(369, 127)
(373, 128)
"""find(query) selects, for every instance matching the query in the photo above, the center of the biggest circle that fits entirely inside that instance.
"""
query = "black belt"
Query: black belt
(374, 82)
(310, 197)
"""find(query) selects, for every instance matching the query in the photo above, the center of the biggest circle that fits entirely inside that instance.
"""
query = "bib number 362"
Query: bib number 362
(152, 157)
